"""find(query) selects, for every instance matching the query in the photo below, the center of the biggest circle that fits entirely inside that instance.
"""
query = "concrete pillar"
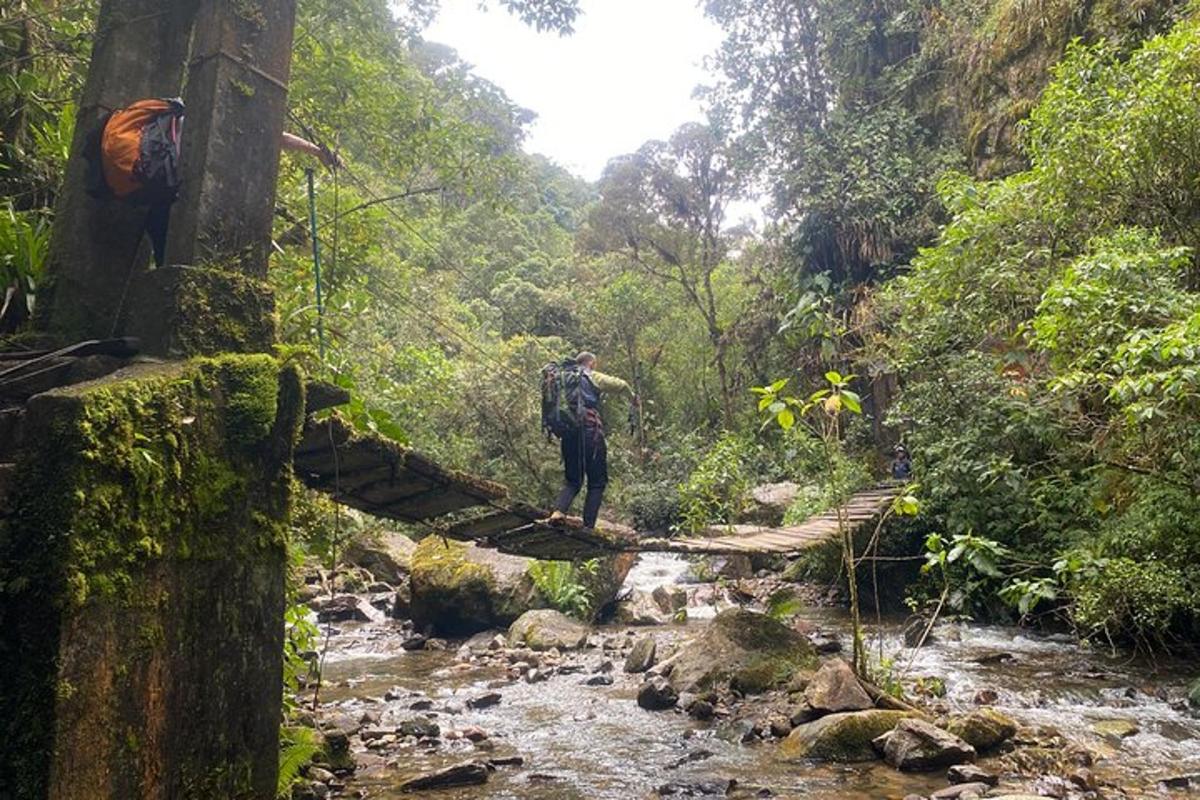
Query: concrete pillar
(237, 105)
(140, 50)
(142, 561)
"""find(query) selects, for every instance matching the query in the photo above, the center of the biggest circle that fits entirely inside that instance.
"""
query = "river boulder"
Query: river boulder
(545, 629)
(769, 502)
(915, 745)
(459, 589)
(1194, 694)
(387, 556)
(742, 647)
(657, 694)
(835, 688)
(984, 729)
(641, 657)
(640, 608)
(843, 738)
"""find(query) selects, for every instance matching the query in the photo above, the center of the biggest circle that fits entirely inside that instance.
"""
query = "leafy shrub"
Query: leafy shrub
(563, 585)
(654, 507)
(716, 490)
(1133, 601)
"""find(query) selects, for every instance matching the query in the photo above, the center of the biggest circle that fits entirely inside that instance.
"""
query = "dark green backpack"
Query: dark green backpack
(567, 393)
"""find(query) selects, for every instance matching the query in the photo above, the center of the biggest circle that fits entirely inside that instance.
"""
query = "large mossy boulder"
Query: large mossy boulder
(546, 629)
(749, 650)
(459, 589)
(843, 738)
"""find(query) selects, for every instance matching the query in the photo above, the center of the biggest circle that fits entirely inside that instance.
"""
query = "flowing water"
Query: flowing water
(593, 742)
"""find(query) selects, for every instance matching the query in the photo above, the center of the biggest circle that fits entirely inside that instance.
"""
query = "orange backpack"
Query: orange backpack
(134, 152)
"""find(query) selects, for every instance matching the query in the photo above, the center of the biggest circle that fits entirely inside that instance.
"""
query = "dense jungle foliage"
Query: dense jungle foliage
(987, 210)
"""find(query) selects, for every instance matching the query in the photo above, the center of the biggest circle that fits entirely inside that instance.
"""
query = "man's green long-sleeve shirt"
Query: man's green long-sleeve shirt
(608, 383)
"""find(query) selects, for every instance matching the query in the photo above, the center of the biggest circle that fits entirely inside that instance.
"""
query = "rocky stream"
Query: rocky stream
(674, 708)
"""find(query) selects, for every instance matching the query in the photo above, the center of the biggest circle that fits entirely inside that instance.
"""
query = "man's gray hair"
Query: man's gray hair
(585, 357)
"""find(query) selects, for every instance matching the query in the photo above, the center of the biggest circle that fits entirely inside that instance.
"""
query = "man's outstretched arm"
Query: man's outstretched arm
(290, 141)
(610, 383)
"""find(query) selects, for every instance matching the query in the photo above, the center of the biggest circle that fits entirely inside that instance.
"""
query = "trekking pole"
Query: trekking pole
(312, 219)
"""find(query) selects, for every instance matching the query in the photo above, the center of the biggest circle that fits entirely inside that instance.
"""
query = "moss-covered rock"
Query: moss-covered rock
(545, 629)
(983, 729)
(1194, 694)
(142, 572)
(916, 745)
(387, 556)
(842, 738)
(752, 650)
(461, 589)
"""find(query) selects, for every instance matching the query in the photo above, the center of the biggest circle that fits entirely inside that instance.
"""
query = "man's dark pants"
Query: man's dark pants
(584, 453)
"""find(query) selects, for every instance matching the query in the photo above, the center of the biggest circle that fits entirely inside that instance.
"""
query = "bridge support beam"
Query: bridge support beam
(142, 565)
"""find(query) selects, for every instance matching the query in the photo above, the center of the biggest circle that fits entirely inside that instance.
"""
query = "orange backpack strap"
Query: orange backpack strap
(121, 143)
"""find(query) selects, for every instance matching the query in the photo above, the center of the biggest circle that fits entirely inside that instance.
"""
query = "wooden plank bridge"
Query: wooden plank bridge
(386, 479)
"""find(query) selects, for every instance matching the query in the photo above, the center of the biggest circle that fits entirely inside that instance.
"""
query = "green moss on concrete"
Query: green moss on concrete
(201, 311)
(142, 571)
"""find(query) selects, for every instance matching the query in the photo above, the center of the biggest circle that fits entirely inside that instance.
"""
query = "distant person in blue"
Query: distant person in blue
(901, 464)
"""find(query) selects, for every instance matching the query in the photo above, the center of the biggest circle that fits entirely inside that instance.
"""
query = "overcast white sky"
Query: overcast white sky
(625, 76)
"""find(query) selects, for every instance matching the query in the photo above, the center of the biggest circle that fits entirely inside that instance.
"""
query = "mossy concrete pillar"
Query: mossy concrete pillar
(140, 49)
(142, 585)
(237, 104)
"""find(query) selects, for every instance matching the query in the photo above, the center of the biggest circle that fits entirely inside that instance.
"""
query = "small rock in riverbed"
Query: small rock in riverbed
(484, 701)
(657, 694)
(418, 727)
(994, 658)
(474, 733)
(343, 608)
(1053, 786)
(825, 645)
(835, 688)
(960, 789)
(459, 775)
(416, 642)
(1116, 728)
(919, 746)
(1179, 782)
(599, 680)
(641, 657)
(986, 697)
(969, 773)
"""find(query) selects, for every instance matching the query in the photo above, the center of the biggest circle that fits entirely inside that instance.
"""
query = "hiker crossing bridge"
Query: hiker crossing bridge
(386, 479)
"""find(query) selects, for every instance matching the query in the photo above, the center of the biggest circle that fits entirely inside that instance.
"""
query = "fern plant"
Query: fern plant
(564, 584)
(297, 746)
